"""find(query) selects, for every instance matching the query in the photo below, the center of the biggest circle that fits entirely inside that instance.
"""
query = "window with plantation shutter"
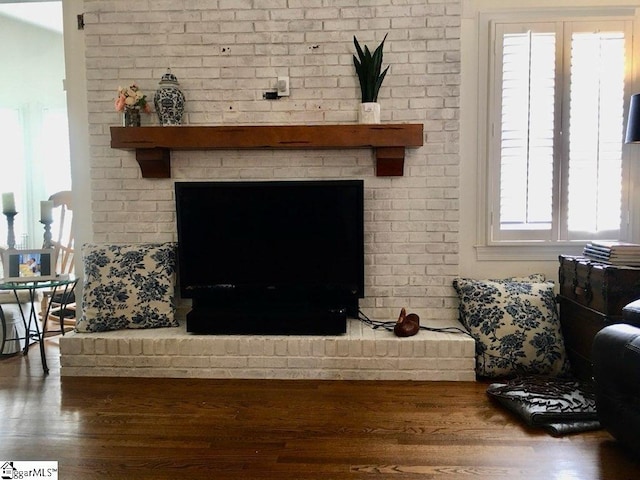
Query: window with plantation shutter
(556, 110)
(596, 130)
(527, 127)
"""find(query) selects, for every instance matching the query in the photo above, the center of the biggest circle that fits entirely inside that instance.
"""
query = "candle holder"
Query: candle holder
(47, 233)
(11, 237)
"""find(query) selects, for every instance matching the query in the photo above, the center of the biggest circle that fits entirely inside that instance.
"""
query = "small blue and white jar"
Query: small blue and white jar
(169, 100)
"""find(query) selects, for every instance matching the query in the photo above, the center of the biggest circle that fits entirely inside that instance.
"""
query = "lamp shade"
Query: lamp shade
(633, 124)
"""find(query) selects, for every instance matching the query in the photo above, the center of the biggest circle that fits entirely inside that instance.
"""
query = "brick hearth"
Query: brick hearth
(361, 354)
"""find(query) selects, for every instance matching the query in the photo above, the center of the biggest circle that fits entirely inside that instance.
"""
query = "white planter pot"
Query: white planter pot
(369, 112)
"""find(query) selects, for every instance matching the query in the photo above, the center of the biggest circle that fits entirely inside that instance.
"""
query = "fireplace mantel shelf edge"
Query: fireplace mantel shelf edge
(153, 144)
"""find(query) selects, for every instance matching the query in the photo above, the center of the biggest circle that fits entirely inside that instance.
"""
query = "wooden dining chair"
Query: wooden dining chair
(62, 310)
(63, 240)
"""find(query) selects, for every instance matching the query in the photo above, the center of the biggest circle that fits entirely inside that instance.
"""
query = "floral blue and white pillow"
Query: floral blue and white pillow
(128, 286)
(515, 325)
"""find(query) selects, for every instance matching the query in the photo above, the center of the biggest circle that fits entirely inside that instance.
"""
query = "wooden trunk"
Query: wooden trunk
(592, 296)
(601, 287)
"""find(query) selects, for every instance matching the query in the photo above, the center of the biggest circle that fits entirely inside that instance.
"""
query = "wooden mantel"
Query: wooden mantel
(153, 145)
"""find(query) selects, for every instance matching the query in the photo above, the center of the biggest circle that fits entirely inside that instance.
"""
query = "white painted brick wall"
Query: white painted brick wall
(226, 53)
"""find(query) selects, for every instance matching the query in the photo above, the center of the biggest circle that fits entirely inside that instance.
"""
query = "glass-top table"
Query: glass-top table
(62, 289)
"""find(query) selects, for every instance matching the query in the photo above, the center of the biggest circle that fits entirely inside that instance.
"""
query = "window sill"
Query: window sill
(531, 252)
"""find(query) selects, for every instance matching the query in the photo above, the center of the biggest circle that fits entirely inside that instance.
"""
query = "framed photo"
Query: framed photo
(29, 265)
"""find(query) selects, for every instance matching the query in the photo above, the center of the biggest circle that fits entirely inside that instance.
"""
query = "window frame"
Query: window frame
(487, 247)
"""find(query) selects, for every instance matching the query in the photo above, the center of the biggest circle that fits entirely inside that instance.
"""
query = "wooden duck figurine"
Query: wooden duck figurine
(407, 325)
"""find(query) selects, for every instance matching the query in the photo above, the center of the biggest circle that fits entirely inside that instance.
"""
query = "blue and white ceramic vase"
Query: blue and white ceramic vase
(169, 100)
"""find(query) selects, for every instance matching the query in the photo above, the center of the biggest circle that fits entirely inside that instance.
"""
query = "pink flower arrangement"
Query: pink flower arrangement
(131, 97)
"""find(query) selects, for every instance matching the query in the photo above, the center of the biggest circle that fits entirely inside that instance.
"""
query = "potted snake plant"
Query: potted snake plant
(370, 74)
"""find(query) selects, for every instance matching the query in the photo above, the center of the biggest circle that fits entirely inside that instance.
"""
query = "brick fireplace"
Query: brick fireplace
(361, 354)
(225, 55)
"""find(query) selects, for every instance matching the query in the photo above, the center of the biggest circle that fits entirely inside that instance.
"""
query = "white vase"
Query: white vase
(369, 112)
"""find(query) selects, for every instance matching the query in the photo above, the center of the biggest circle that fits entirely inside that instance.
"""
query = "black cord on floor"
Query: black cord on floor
(375, 324)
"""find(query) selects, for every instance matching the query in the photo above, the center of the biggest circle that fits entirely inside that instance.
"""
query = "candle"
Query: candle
(8, 203)
(46, 211)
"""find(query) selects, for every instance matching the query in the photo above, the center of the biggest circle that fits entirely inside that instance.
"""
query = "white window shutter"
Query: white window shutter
(527, 130)
(595, 132)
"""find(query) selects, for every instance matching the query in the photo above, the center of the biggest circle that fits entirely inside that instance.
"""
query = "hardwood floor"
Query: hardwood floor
(125, 428)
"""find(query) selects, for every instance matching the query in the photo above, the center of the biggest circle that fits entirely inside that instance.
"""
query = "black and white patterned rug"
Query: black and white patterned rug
(558, 405)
